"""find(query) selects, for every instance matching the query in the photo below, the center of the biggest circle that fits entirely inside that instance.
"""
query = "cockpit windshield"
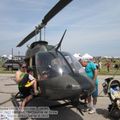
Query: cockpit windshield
(56, 64)
(74, 63)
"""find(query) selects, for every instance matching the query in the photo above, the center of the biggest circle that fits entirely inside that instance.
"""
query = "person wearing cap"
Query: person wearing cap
(22, 77)
(92, 72)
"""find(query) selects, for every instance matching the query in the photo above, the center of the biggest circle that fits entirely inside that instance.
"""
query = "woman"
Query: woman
(22, 77)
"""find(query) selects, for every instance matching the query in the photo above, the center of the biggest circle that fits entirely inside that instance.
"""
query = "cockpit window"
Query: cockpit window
(52, 63)
(74, 63)
(57, 64)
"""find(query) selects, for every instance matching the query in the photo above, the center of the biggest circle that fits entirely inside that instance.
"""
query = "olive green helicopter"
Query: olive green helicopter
(60, 76)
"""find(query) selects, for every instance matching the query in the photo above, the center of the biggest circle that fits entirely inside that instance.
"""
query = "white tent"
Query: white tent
(10, 57)
(4, 56)
(87, 56)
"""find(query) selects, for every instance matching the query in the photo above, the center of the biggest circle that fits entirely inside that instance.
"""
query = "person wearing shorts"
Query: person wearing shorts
(22, 77)
(92, 72)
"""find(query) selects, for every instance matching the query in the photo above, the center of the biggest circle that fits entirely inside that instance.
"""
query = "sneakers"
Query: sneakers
(92, 111)
(86, 109)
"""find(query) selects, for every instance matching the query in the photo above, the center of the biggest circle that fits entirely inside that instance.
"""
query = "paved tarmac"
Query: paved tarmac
(8, 87)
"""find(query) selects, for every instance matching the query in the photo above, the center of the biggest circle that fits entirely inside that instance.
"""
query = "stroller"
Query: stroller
(112, 88)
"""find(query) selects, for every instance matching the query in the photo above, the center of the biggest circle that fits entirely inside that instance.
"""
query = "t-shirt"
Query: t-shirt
(24, 80)
(31, 77)
(89, 69)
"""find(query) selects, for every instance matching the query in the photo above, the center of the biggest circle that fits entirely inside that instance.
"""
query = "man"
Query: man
(92, 72)
(22, 78)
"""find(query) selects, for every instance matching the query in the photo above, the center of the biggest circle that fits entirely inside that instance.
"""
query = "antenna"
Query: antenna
(59, 44)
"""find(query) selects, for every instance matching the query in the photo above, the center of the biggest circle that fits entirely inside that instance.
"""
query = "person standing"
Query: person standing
(108, 66)
(92, 72)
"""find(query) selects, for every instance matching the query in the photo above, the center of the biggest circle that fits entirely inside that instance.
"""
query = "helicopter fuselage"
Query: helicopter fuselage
(59, 74)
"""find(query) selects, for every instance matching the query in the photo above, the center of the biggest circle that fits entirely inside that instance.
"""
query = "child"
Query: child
(31, 80)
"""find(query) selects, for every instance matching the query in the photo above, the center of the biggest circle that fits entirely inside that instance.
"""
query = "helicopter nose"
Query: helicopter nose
(86, 85)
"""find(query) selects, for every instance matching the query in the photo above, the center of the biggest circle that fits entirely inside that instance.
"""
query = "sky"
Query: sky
(93, 26)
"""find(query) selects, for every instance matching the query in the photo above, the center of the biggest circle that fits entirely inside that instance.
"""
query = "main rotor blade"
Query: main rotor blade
(26, 38)
(58, 7)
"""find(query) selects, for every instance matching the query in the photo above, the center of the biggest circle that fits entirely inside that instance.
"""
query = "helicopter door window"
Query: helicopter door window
(70, 62)
(75, 65)
(68, 59)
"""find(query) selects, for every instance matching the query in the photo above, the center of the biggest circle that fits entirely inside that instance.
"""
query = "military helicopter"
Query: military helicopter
(60, 76)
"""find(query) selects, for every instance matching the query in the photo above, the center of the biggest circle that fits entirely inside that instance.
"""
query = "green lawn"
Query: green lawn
(3, 70)
(103, 70)
(112, 71)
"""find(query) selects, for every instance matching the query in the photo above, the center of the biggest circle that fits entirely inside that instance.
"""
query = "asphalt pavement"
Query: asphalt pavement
(9, 87)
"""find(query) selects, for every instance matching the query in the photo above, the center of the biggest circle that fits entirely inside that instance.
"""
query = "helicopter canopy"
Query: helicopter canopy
(56, 64)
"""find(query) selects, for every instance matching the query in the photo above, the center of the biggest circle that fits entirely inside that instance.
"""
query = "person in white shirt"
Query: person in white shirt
(32, 81)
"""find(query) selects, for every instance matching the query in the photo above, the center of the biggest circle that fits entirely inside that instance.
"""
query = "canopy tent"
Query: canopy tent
(87, 56)
(4, 56)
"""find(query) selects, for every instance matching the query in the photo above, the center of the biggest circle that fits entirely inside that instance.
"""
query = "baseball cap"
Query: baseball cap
(29, 69)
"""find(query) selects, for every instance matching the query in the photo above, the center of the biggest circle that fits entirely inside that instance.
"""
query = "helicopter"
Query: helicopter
(60, 76)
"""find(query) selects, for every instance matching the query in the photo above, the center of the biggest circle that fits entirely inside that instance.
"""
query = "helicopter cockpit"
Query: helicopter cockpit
(55, 64)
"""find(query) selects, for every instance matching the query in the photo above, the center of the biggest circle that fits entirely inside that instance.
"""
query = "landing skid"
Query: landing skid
(71, 103)
(16, 99)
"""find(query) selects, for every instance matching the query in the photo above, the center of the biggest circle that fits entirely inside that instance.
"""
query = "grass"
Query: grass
(102, 71)
(112, 70)
(3, 70)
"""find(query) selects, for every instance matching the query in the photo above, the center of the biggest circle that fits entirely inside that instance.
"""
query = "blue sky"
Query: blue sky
(93, 26)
